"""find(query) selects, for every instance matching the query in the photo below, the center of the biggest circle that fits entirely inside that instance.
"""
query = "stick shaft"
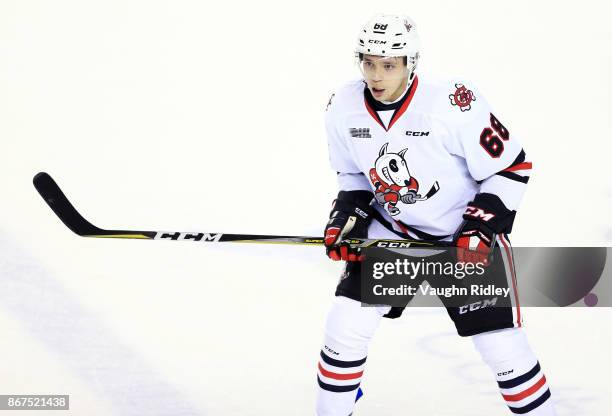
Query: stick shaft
(68, 214)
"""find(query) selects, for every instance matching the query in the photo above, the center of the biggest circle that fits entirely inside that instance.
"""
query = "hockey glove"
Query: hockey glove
(475, 242)
(485, 217)
(349, 218)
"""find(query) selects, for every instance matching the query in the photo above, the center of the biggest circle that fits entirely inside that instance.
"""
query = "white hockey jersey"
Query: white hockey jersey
(426, 156)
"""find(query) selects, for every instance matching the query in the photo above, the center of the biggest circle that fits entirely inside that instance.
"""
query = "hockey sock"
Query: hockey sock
(518, 373)
(349, 329)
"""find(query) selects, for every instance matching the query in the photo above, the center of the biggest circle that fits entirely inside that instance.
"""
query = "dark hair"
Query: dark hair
(405, 58)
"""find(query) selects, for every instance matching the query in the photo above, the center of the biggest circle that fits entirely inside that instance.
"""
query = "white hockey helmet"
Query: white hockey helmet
(390, 36)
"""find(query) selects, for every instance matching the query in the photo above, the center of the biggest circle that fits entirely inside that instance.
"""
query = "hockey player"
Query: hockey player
(419, 158)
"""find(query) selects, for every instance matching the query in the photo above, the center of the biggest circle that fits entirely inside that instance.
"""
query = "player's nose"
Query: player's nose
(376, 74)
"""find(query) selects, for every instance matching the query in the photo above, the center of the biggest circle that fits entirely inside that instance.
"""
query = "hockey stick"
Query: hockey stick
(67, 213)
(432, 191)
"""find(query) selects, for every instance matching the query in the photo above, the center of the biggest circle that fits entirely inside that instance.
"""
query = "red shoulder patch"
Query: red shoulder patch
(462, 97)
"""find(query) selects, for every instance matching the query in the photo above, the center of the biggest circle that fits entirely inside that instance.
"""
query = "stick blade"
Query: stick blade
(65, 211)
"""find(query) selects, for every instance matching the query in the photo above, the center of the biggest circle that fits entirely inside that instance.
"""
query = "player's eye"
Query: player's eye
(389, 67)
(393, 166)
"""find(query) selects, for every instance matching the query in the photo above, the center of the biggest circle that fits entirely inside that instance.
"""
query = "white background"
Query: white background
(188, 115)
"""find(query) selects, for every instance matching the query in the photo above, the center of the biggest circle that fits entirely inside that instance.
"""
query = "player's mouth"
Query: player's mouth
(378, 92)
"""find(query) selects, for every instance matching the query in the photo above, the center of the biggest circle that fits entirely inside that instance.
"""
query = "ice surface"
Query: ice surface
(148, 118)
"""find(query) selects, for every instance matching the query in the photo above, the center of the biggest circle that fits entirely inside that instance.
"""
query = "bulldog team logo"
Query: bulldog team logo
(462, 97)
(393, 183)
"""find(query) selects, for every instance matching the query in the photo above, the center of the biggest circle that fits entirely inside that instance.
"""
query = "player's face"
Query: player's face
(386, 76)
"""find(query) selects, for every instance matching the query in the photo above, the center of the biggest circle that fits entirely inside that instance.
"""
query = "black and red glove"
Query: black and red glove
(475, 242)
(350, 217)
(486, 216)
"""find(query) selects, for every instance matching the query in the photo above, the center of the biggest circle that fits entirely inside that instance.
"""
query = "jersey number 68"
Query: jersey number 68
(494, 144)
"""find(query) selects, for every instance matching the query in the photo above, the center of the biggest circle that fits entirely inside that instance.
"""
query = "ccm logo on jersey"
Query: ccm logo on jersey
(478, 213)
(188, 236)
(417, 133)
